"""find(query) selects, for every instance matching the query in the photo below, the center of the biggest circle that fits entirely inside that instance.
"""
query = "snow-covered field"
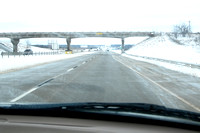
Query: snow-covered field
(163, 47)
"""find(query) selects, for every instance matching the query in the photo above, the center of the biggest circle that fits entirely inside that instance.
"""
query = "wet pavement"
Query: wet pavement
(102, 77)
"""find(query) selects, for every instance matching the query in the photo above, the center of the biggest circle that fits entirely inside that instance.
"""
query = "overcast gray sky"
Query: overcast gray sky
(97, 15)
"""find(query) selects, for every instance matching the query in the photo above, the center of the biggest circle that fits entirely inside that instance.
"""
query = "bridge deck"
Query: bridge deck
(21, 35)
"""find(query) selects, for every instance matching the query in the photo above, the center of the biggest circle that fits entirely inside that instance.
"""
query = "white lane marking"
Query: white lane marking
(24, 94)
(163, 88)
(70, 69)
(37, 87)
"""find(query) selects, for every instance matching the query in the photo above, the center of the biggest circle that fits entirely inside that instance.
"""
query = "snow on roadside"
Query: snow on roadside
(20, 62)
(175, 67)
(163, 48)
(117, 51)
(12, 63)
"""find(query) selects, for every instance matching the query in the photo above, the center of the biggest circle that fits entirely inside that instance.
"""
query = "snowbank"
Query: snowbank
(20, 62)
(163, 48)
(175, 67)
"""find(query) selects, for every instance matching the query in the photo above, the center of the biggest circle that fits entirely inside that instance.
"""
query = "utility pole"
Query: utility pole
(189, 27)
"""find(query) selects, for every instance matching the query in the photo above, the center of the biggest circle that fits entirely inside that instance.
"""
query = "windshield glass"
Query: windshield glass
(108, 51)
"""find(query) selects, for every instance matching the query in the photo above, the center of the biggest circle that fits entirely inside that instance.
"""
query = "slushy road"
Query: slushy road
(101, 77)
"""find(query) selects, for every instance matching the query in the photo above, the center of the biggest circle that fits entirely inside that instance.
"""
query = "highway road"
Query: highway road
(101, 77)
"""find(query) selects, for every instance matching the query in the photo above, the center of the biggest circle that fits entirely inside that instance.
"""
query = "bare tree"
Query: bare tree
(182, 29)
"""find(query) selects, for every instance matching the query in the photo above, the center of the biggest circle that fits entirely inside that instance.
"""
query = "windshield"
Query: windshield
(100, 51)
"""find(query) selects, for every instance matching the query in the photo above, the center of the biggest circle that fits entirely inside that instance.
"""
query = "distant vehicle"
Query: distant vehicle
(28, 52)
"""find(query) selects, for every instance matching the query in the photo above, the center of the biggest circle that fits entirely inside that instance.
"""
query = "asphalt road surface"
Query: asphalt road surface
(101, 77)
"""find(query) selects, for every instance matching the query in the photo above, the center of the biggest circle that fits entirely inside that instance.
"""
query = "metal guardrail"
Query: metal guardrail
(11, 54)
(168, 61)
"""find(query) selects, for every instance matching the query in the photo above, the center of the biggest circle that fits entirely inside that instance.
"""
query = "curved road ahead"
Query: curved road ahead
(101, 77)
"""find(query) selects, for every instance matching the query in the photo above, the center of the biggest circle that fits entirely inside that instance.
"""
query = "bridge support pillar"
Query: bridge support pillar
(15, 42)
(68, 40)
(122, 49)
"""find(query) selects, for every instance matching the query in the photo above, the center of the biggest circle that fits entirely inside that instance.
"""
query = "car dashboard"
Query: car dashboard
(33, 124)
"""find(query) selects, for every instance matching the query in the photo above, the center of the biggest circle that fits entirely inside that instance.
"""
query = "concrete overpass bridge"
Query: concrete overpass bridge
(16, 36)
